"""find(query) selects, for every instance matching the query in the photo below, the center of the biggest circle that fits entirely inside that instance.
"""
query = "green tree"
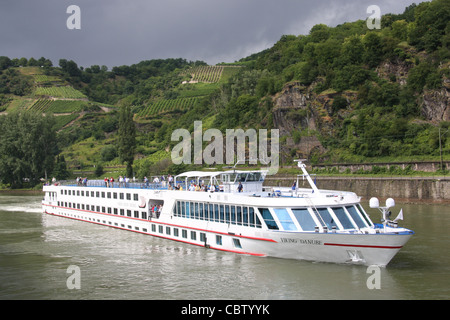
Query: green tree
(60, 171)
(352, 50)
(431, 24)
(373, 53)
(127, 138)
(27, 148)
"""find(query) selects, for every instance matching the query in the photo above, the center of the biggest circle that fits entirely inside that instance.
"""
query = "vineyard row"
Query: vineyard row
(60, 92)
(167, 106)
(57, 106)
(209, 74)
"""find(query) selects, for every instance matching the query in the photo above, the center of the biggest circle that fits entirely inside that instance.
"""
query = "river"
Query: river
(38, 253)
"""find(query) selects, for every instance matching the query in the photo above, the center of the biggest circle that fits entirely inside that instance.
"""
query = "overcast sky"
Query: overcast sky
(124, 32)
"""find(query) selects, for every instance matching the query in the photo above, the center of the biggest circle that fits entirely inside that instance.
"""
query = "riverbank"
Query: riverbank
(22, 191)
(434, 189)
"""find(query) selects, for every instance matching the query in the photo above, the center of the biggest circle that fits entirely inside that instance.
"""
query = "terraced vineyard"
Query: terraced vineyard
(210, 74)
(57, 106)
(164, 106)
(41, 78)
(60, 92)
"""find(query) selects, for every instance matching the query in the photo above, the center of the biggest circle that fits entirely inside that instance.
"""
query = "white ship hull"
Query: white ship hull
(235, 222)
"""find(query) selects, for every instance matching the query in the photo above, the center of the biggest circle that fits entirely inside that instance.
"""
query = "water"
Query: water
(36, 251)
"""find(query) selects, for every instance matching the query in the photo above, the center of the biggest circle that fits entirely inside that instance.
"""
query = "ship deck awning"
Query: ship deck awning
(228, 176)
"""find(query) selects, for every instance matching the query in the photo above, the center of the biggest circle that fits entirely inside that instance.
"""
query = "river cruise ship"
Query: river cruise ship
(232, 211)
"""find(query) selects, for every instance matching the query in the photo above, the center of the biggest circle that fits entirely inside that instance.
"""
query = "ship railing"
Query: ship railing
(132, 184)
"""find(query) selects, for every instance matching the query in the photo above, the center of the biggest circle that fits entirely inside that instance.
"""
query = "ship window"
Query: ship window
(168, 231)
(245, 216)
(184, 233)
(219, 240)
(267, 216)
(188, 209)
(196, 215)
(233, 214)
(304, 219)
(144, 215)
(153, 228)
(364, 215)
(160, 229)
(343, 218)
(201, 211)
(128, 196)
(135, 197)
(327, 218)
(175, 232)
(257, 221)
(239, 215)
(183, 209)
(237, 243)
(251, 215)
(211, 212)
(355, 216)
(216, 212)
(222, 214)
(193, 235)
(254, 176)
(227, 214)
(285, 219)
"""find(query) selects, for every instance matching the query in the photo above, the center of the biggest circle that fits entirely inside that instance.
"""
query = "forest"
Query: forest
(368, 94)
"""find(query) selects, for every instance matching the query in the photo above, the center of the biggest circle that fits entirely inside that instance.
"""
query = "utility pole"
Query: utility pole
(440, 150)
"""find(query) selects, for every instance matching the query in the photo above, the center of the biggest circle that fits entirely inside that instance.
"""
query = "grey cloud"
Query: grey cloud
(117, 32)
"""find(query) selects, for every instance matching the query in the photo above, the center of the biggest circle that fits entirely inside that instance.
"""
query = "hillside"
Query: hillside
(338, 94)
(48, 93)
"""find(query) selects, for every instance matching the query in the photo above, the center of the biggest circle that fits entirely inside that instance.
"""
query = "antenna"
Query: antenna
(302, 166)
(375, 203)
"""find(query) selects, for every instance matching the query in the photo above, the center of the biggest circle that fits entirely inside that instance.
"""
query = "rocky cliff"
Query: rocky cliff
(435, 103)
(302, 115)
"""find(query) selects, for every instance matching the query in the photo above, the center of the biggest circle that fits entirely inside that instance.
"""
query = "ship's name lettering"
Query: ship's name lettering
(301, 241)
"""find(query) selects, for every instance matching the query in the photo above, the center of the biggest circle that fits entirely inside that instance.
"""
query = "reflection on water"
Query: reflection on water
(36, 250)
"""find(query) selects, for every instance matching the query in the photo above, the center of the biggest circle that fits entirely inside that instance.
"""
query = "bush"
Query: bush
(108, 153)
(99, 170)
